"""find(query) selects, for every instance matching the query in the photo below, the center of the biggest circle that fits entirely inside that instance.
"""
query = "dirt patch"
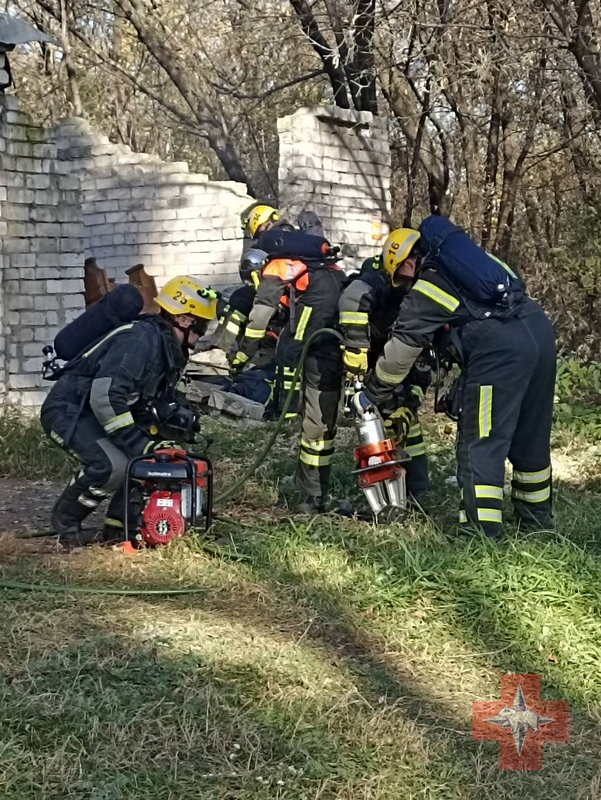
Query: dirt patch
(25, 518)
(25, 505)
(25, 512)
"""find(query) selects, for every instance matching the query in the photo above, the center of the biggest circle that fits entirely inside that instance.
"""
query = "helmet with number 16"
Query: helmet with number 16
(397, 248)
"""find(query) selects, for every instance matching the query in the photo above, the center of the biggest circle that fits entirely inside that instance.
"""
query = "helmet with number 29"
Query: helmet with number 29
(186, 295)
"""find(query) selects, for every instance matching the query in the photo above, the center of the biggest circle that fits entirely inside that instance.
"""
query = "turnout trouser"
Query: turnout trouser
(320, 401)
(283, 383)
(417, 475)
(102, 463)
(507, 405)
(320, 404)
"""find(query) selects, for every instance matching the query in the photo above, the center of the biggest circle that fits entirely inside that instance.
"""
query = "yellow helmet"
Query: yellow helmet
(397, 248)
(186, 295)
(259, 216)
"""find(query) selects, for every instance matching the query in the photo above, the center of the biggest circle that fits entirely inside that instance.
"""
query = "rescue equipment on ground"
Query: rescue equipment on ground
(167, 493)
(380, 468)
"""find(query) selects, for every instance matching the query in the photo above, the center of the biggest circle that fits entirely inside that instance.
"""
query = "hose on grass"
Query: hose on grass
(66, 589)
(282, 418)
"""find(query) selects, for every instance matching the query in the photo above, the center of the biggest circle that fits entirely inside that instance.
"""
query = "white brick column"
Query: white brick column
(41, 252)
(337, 163)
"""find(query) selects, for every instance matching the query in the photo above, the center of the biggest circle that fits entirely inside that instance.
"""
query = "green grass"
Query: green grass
(324, 660)
(26, 451)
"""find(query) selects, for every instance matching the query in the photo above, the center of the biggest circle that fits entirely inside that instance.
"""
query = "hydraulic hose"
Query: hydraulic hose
(278, 427)
(60, 589)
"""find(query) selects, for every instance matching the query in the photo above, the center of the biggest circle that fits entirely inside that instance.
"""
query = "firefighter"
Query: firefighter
(506, 386)
(284, 283)
(96, 407)
(256, 220)
(234, 316)
(369, 305)
(311, 290)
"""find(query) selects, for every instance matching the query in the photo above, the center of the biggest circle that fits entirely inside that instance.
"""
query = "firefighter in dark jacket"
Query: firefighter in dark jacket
(311, 291)
(256, 221)
(506, 386)
(98, 407)
(369, 306)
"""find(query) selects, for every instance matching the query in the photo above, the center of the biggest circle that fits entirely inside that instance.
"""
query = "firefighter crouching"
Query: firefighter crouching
(311, 289)
(369, 306)
(96, 407)
(507, 362)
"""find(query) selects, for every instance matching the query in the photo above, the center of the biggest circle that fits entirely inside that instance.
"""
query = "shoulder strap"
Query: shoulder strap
(437, 242)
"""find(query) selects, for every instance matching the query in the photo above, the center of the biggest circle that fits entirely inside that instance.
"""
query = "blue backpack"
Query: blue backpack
(280, 243)
(476, 275)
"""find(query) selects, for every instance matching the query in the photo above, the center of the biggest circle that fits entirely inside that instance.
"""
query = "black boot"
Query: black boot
(114, 527)
(308, 504)
(112, 531)
(68, 513)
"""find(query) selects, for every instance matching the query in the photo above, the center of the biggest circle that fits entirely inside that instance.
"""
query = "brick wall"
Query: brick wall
(40, 252)
(136, 208)
(68, 193)
(337, 163)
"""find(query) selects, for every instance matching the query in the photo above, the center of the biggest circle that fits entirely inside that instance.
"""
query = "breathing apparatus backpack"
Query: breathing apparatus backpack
(279, 243)
(487, 285)
(116, 308)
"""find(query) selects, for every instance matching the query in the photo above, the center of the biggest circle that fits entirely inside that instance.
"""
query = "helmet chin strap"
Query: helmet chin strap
(186, 341)
(185, 331)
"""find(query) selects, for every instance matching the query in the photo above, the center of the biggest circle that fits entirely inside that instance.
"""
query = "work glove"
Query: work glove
(182, 419)
(418, 393)
(399, 423)
(238, 362)
(420, 378)
(355, 360)
(310, 223)
(164, 444)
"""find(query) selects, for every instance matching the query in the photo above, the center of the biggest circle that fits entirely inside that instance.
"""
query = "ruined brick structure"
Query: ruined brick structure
(68, 193)
(337, 162)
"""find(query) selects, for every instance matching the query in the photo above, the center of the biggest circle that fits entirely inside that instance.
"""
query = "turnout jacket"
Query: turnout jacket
(309, 292)
(233, 319)
(432, 307)
(369, 305)
(115, 378)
